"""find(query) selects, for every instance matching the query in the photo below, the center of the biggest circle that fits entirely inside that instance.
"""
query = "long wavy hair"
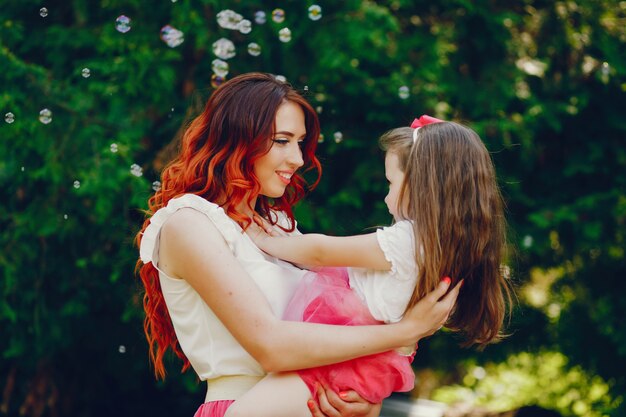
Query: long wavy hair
(452, 197)
(216, 159)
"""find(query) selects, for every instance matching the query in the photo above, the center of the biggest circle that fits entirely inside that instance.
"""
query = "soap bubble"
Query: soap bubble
(338, 136)
(220, 68)
(284, 35)
(315, 12)
(76, 184)
(278, 15)
(122, 24)
(403, 92)
(260, 18)
(43, 12)
(136, 170)
(254, 49)
(320, 139)
(224, 48)
(65, 216)
(216, 80)
(86, 72)
(113, 147)
(245, 26)
(9, 117)
(45, 116)
(228, 19)
(172, 36)
(122, 349)
(156, 185)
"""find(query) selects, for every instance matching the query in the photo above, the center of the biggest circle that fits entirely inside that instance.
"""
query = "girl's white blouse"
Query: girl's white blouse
(387, 293)
(211, 349)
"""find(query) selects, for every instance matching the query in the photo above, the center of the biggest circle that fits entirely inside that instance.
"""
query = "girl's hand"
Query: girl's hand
(345, 404)
(431, 312)
(259, 230)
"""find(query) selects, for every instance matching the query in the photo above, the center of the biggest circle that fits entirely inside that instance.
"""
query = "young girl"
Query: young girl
(448, 223)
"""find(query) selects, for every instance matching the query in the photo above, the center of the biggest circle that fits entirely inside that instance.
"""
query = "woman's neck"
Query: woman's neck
(242, 207)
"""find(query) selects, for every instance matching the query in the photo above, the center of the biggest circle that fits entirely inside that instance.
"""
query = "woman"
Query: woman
(210, 294)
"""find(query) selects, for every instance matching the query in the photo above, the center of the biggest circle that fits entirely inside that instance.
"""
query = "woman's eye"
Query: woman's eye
(281, 141)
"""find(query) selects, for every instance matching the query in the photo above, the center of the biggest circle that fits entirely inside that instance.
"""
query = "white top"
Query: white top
(387, 293)
(211, 349)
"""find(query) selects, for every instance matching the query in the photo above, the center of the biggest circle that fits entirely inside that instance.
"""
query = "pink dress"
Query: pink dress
(325, 297)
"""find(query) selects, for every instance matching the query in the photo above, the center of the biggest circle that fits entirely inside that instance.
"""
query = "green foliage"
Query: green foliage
(543, 379)
(542, 82)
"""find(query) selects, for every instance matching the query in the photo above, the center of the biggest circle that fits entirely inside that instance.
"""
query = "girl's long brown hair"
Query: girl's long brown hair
(216, 159)
(457, 212)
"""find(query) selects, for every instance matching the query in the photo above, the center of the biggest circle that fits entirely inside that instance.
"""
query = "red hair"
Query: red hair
(216, 160)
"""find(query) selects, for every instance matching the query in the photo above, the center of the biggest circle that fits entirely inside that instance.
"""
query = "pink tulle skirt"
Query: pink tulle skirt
(213, 408)
(325, 296)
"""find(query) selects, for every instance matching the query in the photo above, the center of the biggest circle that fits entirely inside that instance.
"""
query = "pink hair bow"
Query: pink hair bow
(421, 122)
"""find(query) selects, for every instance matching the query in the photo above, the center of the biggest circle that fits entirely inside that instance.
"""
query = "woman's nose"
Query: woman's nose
(295, 156)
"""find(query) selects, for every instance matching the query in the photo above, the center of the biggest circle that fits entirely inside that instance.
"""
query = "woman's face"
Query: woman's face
(395, 177)
(275, 168)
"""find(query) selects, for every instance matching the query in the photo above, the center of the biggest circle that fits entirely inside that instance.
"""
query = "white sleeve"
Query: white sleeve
(398, 244)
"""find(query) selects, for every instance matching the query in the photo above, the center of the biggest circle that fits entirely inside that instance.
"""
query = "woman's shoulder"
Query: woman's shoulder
(187, 214)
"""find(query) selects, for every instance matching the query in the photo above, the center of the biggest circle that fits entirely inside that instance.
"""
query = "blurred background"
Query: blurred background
(95, 94)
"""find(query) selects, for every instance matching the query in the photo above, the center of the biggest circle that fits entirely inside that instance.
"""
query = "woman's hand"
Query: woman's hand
(431, 312)
(344, 404)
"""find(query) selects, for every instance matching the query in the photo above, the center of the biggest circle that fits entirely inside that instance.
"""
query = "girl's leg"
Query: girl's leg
(276, 395)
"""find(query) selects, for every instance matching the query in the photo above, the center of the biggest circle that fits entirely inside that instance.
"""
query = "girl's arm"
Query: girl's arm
(193, 249)
(312, 249)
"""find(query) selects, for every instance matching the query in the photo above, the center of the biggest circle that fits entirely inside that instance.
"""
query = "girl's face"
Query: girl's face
(275, 168)
(395, 177)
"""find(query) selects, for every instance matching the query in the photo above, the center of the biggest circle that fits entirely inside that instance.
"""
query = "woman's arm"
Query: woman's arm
(193, 249)
(321, 250)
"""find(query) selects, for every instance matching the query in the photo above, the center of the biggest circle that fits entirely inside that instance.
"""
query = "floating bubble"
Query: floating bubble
(113, 147)
(284, 35)
(320, 139)
(338, 136)
(122, 349)
(220, 68)
(228, 19)
(156, 185)
(260, 17)
(278, 15)
(122, 24)
(86, 72)
(306, 88)
(9, 117)
(172, 36)
(45, 116)
(245, 26)
(224, 48)
(527, 242)
(319, 109)
(216, 80)
(254, 49)
(22, 169)
(65, 216)
(281, 78)
(76, 184)
(43, 12)
(403, 92)
(315, 12)
(136, 170)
